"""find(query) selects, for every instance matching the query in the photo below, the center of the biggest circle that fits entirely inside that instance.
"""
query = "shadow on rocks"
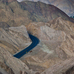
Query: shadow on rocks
(70, 71)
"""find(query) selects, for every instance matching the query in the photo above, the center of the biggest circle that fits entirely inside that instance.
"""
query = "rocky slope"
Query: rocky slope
(22, 13)
(66, 67)
(65, 5)
(12, 14)
(55, 47)
(11, 64)
(2, 71)
(56, 44)
(42, 12)
(12, 38)
(56, 38)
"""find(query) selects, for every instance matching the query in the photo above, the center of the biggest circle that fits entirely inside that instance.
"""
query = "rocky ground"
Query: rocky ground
(56, 44)
(11, 38)
(15, 14)
(55, 52)
(41, 12)
(64, 67)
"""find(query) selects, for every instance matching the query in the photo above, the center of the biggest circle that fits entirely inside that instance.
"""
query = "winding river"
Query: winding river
(34, 43)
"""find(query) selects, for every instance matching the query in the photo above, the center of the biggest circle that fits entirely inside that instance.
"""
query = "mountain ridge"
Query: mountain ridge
(65, 5)
(42, 10)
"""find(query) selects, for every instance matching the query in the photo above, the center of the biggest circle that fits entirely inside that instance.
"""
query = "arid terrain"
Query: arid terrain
(54, 28)
(65, 5)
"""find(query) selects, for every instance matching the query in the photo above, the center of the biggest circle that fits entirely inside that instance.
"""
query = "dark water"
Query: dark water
(35, 41)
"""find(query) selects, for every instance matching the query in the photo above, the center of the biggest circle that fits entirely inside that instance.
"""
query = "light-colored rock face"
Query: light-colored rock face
(56, 44)
(60, 24)
(49, 34)
(12, 40)
(64, 67)
(13, 37)
(3, 71)
(11, 64)
(56, 39)
(68, 28)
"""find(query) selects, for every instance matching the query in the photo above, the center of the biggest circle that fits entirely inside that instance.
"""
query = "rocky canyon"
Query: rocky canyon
(54, 28)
